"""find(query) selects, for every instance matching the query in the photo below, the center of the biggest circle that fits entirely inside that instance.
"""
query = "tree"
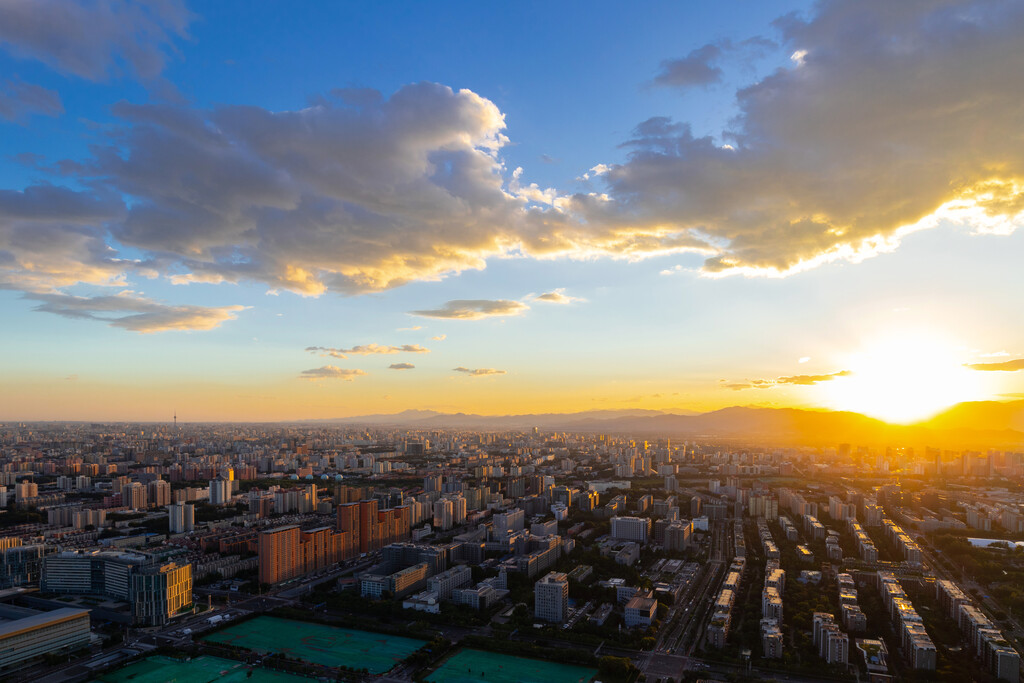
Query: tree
(615, 666)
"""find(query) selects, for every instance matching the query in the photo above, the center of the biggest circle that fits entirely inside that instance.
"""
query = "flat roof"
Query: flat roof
(13, 628)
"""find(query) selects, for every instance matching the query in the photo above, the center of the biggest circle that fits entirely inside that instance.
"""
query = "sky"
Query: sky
(279, 211)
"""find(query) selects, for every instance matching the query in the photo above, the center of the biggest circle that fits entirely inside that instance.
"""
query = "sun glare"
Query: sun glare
(904, 378)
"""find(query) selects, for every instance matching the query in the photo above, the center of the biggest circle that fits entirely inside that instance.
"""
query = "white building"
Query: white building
(551, 598)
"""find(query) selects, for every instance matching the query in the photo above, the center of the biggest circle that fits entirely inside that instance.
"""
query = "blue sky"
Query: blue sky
(746, 259)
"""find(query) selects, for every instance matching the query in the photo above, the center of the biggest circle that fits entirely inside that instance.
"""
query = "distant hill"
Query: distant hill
(432, 419)
(974, 425)
(984, 415)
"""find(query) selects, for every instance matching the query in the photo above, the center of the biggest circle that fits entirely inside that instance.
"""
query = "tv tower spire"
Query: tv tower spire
(175, 419)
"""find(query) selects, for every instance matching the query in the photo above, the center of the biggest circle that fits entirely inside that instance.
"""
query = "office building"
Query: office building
(29, 634)
(551, 598)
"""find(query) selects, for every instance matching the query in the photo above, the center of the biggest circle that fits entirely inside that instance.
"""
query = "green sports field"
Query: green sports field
(472, 666)
(318, 643)
(199, 670)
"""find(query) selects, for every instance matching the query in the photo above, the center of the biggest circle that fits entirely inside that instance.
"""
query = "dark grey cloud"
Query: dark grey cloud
(94, 39)
(18, 100)
(696, 68)
(401, 366)
(474, 309)
(701, 66)
(135, 313)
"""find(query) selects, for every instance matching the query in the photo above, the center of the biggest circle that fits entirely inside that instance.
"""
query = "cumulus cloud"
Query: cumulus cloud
(53, 237)
(366, 350)
(440, 337)
(94, 39)
(474, 309)
(872, 133)
(18, 100)
(557, 296)
(135, 313)
(1004, 366)
(331, 372)
(479, 372)
(401, 366)
(911, 119)
(800, 380)
(358, 192)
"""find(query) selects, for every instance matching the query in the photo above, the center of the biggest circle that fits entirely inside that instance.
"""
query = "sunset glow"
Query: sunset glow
(905, 378)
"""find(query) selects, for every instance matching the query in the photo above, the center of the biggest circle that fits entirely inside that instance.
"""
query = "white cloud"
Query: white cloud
(557, 296)
(440, 337)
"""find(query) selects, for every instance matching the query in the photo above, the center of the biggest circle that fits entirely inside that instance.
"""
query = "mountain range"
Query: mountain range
(968, 425)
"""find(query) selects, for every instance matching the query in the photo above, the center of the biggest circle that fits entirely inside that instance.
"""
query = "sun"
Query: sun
(903, 378)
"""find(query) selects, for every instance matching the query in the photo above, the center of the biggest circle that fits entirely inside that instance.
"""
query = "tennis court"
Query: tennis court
(199, 670)
(319, 643)
(472, 666)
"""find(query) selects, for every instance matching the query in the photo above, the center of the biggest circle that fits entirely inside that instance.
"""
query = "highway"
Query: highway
(684, 626)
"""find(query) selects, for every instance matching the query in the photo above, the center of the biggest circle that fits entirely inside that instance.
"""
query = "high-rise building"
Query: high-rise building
(25, 489)
(182, 517)
(279, 554)
(288, 552)
(159, 493)
(551, 598)
(444, 514)
(220, 492)
(133, 495)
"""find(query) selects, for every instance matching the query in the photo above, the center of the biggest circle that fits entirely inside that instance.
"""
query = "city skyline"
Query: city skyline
(282, 213)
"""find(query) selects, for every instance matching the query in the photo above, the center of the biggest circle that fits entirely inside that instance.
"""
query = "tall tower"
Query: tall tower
(175, 419)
